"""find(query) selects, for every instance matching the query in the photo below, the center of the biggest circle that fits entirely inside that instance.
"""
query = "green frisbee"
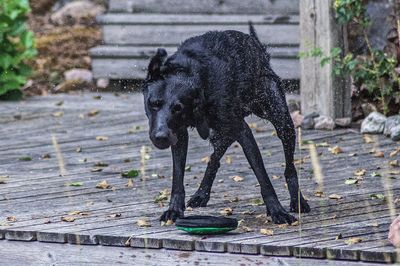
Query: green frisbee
(206, 225)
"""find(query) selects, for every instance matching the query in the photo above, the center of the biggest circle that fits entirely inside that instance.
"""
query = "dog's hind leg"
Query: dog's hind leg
(277, 112)
(253, 155)
(202, 195)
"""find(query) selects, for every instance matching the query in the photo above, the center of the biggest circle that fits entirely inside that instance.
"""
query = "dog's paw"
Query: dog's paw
(282, 217)
(176, 208)
(303, 204)
(199, 199)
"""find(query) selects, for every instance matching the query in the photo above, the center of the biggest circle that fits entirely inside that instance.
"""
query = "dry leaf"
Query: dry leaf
(375, 224)
(276, 176)
(189, 209)
(162, 196)
(93, 112)
(394, 163)
(336, 150)
(335, 196)
(394, 153)
(247, 229)
(267, 232)
(353, 240)
(103, 185)
(226, 211)
(396, 201)
(368, 139)
(257, 202)
(228, 159)
(339, 236)
(237, 178)
(252, 125)
(318, 194)
(101, 138)
(130, 183)
(79, 149)
(360, 172)
(351, 181)
(114, 215)
(143, 222)
(58, 114)
(295, 223)
(11, 219)
(69, 219)
(96, 169)
(205, 159)
(282, 226)
(379, 154)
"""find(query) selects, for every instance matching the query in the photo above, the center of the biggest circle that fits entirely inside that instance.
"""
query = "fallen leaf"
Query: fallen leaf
(11, 219)
(101, 138)
(237, 178)
(335, 196)
(235, 199)
(339, 236)
(282, 226)
(188, 168)
(205, 159)
(226, 211)
(252, 125)
(69, 219)
(394, 163)
(78, 213)
(267, 232)
(114, 215)
(131, 173)
(295, 223)
(336, 150)
(352, 154)
(228, 159)
(103, 185)
(46, 156)
(101, 164)
(59, 103)
(377, 196)
(3, 179)
(360, 172)
(394, 153)
(78, 149)
(375, 174)
(353, 240)
(368, 139)
(351, 181)
(75, 184)
(396, 201)
(58, 114)
(379, 154)
(96, 169)
(97, 97)
(130, 183)
(162, 195)
(256, 202)
(93, 112)
(276, 177)
(247, 229)
(25, 158)
(143, 222)
(189, 209)
(375, 224)
(47, 221)
(318, 194)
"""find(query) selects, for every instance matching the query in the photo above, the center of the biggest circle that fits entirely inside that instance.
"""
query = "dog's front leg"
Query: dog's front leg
(253, 155)
(177, 202)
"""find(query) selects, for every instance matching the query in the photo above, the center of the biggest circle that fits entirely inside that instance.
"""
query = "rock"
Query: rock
(82, 11)
(102, 83)
(368, 108)
(395, 133)
(297, 118)
(374, 123)
(324, 122)
(391, 122)
(343, 122)
(79, 74)
(308, 121)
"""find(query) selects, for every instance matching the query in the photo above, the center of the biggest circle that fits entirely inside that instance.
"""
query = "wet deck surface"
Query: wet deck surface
(37, 203)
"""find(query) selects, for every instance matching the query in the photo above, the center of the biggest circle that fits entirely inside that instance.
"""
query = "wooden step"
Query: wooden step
(140, 29)
(206, 6)
(130, 62)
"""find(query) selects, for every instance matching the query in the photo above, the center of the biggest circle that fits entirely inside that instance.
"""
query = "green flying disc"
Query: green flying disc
(206, 225)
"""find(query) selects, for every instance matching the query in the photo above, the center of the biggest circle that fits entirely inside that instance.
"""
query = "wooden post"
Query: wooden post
(320, 90)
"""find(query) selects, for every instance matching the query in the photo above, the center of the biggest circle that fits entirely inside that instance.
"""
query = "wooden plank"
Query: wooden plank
(174, 35)
(127, 68)
(205, 6)
(320, 90)
(194, 19)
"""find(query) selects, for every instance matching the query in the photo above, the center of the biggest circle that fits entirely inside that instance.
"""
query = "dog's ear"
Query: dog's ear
(154, 69)
(199, 117)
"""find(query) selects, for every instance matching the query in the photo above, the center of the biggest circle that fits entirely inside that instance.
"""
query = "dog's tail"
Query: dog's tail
(253, 34)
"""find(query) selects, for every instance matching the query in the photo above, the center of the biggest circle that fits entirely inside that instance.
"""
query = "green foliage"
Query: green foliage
(375, 71)
(16, 47)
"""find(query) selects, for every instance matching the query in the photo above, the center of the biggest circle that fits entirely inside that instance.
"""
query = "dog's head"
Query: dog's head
(172, 99)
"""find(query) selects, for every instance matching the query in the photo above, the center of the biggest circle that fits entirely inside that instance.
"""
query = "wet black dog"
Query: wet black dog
(212, 83)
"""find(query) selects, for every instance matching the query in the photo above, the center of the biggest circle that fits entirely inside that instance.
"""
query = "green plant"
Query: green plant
(375, 71)
(16, 47)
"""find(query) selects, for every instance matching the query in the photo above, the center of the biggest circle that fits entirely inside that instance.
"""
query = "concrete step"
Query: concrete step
(130, 62)
(206, 6)
(161, 29)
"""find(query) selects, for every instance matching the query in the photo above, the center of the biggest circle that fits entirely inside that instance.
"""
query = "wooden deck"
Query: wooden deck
(51, 143)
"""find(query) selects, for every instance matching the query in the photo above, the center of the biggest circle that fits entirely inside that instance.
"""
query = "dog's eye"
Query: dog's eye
(155, 104)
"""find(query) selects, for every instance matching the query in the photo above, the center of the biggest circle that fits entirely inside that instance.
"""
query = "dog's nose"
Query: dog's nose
(161, 136)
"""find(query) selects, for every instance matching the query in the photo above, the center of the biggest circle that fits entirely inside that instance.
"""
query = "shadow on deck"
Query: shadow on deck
(99, 146)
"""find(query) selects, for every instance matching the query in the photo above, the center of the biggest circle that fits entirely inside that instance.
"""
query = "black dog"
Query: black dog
(212, 83)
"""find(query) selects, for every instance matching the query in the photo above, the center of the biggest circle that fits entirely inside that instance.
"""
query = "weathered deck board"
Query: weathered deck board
(35, 193)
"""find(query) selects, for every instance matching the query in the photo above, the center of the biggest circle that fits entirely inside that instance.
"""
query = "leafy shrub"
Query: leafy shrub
(16, 47)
